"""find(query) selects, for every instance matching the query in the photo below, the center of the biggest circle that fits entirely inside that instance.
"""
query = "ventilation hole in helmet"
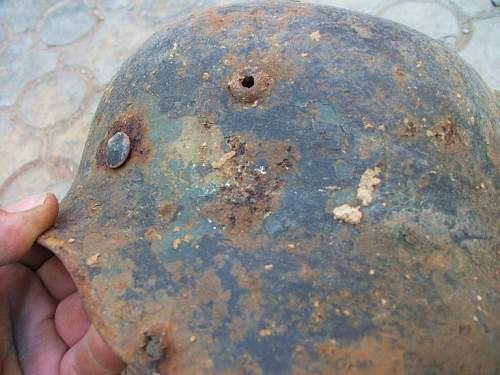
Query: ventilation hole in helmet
(247, 81)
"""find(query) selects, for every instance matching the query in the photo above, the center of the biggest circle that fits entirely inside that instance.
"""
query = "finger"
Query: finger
(71, 319)
(10, 366)
(8, 358)
(56, 279)
(39, 347)
(36, 256)
(91, 356)
(22, 223)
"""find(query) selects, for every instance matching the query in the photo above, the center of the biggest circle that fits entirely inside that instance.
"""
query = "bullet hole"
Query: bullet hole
(247, 81)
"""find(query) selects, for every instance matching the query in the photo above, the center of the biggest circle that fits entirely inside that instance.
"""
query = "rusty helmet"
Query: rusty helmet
(285, 188)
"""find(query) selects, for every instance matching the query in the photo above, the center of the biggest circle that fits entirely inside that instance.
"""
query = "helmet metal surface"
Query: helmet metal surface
(290, 189)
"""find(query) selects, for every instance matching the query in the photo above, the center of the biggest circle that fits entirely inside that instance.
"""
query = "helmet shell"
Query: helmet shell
(292, 189)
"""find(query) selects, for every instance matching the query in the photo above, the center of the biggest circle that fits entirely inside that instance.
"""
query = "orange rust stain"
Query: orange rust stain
(248, 21)
(306, 273)
(449, 134)
(167, 210)
(175, 270)
(254, 191)
(438, 260)
(270, 66)
(153, 235)
(119, 239)
(134, 123)
(319, 312)
(106, 244)
(170, 348)
(494, 156)
(239, 327)
(401, 299)
(217, 23)
(257, 88)
(410, 128)
(364, 357)
(250, 302)
(247, 366)
(400, 76)
(209, 289)
(363, 31)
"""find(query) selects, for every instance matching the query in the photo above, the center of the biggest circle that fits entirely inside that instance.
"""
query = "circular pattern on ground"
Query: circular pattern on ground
(158, 11)
(22, 15)
(52, 99)
(39, 176)
(483, 53)
(417, 15)
(3, 38)
(110, 4)
(66, 24)
(20, 63)
(5, 125)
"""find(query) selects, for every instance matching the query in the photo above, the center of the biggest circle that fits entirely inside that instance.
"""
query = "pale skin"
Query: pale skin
(44, 329)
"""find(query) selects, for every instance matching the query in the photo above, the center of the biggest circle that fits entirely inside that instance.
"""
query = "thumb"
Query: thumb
(22, 223)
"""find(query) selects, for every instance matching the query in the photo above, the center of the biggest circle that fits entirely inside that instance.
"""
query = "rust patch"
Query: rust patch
(206, 120)
(168, 210)
(447, 133)
(427, 250)
(365, 357)
(250, 303)
(248, 366)
(250, 84)
(254, 190)
(153, 234)
(363, 31)
(318, 314)
(158, 346)
(124, 310)
(410, 128)
(217, 23)
(135, 125)
(209, 290)
(165, 343)
(267, 67)
(400, 76)
(248, 21)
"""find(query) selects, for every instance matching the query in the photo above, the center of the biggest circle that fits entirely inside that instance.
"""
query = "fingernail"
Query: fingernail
(27, 203)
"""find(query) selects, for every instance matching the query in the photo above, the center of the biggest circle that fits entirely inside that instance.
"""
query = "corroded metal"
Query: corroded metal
(117, 150)
(309, 191)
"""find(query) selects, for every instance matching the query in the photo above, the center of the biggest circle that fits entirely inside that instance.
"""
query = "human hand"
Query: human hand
(43, 327)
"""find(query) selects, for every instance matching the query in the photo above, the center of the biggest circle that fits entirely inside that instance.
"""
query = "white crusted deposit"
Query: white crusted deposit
(348, 214)
(369, 180)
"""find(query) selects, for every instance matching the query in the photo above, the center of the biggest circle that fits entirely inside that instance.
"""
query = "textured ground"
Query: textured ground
(57, 56)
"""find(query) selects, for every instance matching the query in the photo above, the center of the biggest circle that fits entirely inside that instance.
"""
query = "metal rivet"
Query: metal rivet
(117, 150)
